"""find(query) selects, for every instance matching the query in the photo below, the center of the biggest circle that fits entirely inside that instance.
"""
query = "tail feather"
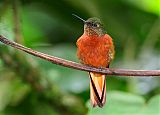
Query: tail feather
(97, 89)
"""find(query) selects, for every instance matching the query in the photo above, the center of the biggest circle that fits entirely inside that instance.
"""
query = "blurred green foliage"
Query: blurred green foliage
(49, 27)
(126, 103)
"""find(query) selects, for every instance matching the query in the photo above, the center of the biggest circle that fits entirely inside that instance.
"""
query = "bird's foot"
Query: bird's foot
(101, 68)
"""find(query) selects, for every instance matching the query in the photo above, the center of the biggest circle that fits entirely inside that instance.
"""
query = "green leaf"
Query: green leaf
(153, 106)
(122, 103)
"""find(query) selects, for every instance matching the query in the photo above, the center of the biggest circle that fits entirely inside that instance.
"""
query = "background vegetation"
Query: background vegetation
(31, 86)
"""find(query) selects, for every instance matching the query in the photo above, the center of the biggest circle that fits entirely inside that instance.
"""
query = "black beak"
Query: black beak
(84, 21)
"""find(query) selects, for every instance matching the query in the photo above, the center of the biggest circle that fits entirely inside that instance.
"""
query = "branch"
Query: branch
(70, 64)
(48, 92)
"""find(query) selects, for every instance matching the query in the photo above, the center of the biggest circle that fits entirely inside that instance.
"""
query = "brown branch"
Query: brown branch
(70, 64)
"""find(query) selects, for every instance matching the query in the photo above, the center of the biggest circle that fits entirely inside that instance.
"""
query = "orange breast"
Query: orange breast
(95, 51)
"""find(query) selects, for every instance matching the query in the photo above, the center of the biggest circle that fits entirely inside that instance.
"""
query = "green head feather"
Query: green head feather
(93, 26)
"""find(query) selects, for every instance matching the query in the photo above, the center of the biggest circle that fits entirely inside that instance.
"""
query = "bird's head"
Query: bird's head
(92, 26)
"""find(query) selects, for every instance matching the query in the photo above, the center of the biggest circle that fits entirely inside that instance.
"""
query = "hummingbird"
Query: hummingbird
(95, 48)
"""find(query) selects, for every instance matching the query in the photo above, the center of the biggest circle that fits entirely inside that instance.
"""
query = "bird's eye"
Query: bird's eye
(94, 25)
